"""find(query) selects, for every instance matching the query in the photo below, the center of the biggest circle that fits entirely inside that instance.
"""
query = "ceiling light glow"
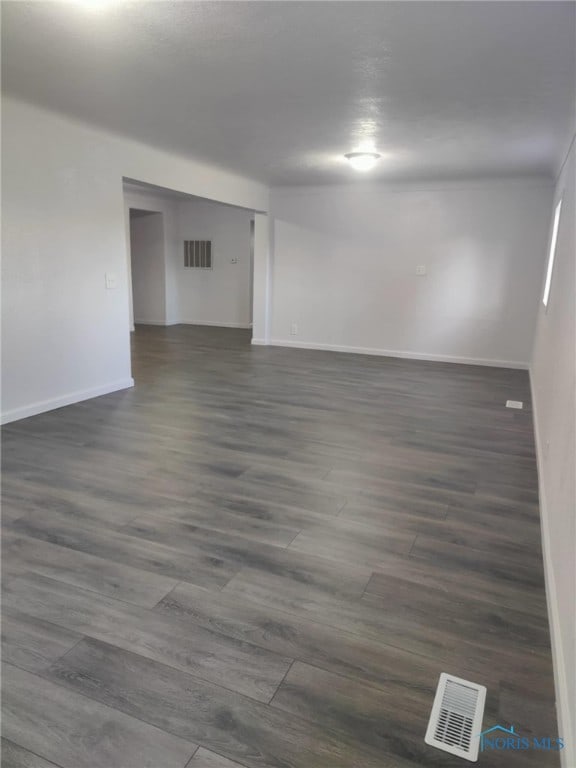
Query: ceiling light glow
(362, 161)
(94, 5)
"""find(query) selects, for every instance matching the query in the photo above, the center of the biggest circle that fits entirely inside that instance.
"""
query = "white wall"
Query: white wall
(263, 246)
(149, 200)
(147, 268)
(65, 337)
(553, 374)
(345, 258)
(220, 296)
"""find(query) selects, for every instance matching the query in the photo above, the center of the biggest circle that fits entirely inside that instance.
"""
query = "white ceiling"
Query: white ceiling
(280, 90)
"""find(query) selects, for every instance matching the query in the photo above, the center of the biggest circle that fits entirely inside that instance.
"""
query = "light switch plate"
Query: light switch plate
(111, 281)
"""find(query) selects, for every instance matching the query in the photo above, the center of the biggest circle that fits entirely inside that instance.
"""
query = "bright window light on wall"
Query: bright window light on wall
(552, 254)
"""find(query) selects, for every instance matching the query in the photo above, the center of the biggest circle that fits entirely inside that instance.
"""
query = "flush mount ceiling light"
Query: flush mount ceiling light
(362, 161)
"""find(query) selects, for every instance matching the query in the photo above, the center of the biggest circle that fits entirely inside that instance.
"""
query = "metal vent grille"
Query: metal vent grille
(198, 254)
(456, 718)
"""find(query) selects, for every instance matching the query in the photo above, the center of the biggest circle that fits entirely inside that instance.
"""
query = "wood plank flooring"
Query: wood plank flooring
(264, 558)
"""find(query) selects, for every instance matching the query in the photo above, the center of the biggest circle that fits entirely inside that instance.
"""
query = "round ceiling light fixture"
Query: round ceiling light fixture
(362, 161)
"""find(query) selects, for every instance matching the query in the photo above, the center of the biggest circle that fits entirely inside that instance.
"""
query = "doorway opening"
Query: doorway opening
(191, 261)
(147, 267)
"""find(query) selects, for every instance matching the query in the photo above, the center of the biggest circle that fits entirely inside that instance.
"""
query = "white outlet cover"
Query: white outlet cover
(514, 404)
(421, 270)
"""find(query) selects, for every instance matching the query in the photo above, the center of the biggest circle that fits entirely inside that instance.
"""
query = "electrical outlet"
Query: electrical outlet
(294, 329)
(514, 404)
(234, 260)
(421, 270)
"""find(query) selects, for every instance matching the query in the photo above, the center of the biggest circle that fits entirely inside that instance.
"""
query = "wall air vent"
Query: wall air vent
(456, 718)
(198, 254)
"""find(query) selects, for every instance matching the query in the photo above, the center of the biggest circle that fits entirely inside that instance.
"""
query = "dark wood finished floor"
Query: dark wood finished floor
(265, 558)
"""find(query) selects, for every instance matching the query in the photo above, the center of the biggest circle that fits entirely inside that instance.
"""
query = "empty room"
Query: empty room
(288, 384)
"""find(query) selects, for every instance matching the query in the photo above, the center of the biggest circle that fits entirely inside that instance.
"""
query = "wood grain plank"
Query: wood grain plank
(438, 629)
(360, 712)
(337, 578)
(353, 544)
(204, 568)
(401, 674)
(515, 569)
(33, 644)
(236, 665)
(375, 519)
(86, 571)
(237, 728)
(206, 759)
(78, 732)
(446, 577)
(14, 756)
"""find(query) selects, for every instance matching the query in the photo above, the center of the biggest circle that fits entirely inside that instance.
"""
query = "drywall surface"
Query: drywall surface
(65, 335)
(221, 295)
(553, 374)
(147, 267)
(262, 247)
(345, 261)
(161, 279)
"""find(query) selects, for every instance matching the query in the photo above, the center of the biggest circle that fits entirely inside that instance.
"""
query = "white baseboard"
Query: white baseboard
(152, 322)
(193, 322)
(59, 402)
(215, 324)
(565, 724)
(393, 353)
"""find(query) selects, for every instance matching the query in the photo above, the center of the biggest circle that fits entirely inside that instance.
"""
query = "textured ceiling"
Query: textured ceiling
(279, 91)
